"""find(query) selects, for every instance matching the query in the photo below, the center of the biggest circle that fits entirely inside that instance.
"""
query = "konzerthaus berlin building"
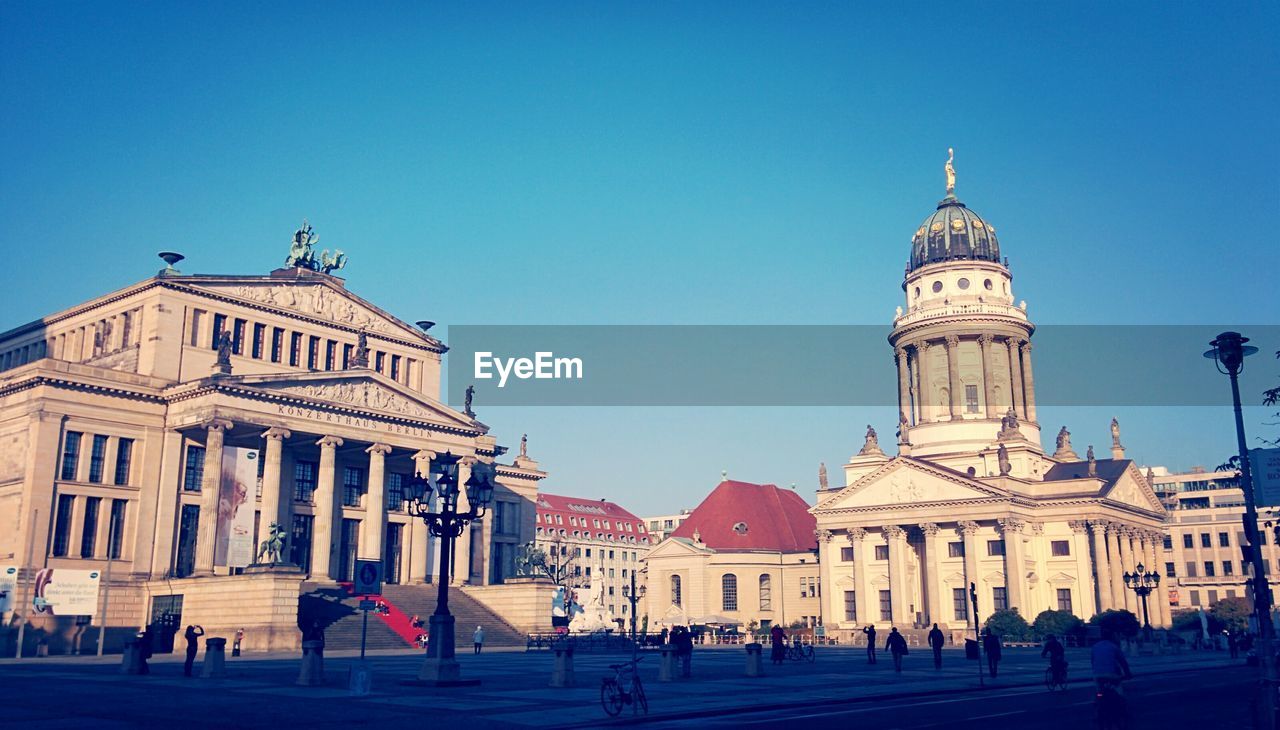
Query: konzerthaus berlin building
(971, 497)
(115, 413)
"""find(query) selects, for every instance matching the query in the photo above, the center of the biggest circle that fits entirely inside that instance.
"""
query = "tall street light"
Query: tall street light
(1142, 581)
(441, 666)
(633, 594)
(1228, 353)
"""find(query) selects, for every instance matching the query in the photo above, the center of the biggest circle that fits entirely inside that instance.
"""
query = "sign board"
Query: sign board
(64, 592)
(1265, 465)
(820, 631)
(8, 587)
(237, 490)
(368, 578)
(1173, 597)
(367, 605)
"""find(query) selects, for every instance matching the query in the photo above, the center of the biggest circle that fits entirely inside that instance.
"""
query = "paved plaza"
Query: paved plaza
(838, 688)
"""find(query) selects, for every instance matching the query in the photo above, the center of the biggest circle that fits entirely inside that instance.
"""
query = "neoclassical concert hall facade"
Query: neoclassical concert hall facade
(971, 497)
(114, 416)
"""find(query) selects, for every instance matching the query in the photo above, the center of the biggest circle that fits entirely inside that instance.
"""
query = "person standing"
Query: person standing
(936, 642)
(1233, 644)
(145, 643)
(235, 648)
(991, 645)
(870, 631)
(778, 641)
(684, 650)
(315, 632)
(192, 635)
(478, 638)
(896, 645)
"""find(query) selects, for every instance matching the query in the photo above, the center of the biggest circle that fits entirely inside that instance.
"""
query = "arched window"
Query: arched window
(766, 592)
(729, 592)
(675, 590)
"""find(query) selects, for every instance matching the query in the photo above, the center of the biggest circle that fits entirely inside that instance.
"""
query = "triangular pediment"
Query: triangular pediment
(1131, 489)
(360, 389)
(905, 481)
(676, 547)
(313, 296)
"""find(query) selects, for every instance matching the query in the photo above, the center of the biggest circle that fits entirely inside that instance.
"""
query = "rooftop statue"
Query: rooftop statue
(951, 172)
(822, 475)
(302, 253)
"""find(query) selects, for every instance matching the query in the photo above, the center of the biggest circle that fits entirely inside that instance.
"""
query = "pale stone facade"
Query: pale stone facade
(114, 415)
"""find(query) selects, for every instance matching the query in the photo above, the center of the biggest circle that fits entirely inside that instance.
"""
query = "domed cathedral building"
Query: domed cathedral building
(971, 496)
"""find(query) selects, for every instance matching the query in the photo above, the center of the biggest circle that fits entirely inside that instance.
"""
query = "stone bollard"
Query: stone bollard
(562, 675)
(667, 664)
(214, 665)
(131, 660)
(311, 674)
(755, 660)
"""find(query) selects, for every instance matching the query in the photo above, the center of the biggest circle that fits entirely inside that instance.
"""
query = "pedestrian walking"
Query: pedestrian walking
(778, 641)
(192, 635)
(870, 631)
(235, 648)
(315, 632)
(991, 645)
(936, 642)
(478, 638)
(684, 650)
(145, 643)
(1233, 644)
(896, 645)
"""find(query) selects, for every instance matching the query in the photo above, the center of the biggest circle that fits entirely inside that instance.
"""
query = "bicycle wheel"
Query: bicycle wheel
(810, 654)
(1050, 681)
(611, 697)
(639, 698)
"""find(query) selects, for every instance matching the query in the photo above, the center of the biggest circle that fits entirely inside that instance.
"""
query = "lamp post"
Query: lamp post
(447, 524)
(633, 595)
(1142, 581)
(1228, 353)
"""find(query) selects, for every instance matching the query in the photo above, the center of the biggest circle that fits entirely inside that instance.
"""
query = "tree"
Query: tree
(1118, 621)
(1187, 619)
(1009, 625)
(558, 564)
(1232, 613)
(1058, 623)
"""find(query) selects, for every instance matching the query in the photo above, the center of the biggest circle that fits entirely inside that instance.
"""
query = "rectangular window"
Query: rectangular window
(971, 399)
(188, 528)
(850, 606)
(259, 340)
(804, 588)
(1227, 567)
(1170, 571)
(89, 528)
(197, 317)
(1168, 542)
(1064, 599)
(1060, 548)
(71, 455)
(955, 549)
(846, 554)
(1205, 540)
(295, 349)
(395, 492)
(995, 547)
(313, 352)
(330, 354)
(219, 324)
(1191, 569)
(97, 457)
(728, 591)
(1213, 597)
(882, 552)
(304, 481)
(237, 337)
(999, 598)
(277, 343)
(1209, 571)
(1195, 598)
(124, 454)
(193, 472)
(62, 525)
(353, 486)
(960, 604)
(300, 542)
(116, 538)
(381, 361)
(395, 368)
(1224, 539)
(347, 349)
(886, 606)
(1187, 541)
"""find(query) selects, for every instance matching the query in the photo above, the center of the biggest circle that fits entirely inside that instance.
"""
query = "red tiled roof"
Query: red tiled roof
(550, 505)
(776, 519)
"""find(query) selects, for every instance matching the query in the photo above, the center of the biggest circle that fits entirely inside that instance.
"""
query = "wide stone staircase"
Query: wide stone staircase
(420, 600)
(339, 613)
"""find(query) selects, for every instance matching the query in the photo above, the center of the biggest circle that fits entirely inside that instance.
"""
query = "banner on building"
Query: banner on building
(8, 588)
(65, 592)
(237, 491)
(1265, 465)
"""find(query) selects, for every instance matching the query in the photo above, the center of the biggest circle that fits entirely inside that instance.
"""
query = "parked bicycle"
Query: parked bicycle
(801, 652)
(623, 688)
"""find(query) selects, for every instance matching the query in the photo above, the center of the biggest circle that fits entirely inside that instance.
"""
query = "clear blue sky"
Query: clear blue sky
(658, 163)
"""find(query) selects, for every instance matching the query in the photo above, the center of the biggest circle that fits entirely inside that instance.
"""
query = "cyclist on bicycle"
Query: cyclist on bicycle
(1110, 668)
(1056, 654)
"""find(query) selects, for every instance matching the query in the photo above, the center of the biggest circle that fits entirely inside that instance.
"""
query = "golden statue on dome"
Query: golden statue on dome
(951, 171)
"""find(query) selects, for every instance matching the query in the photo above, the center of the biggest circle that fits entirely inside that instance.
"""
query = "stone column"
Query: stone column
(1102, 564)
(904, 387)
(375, 504)
(1028, 382)
(1015, 379)
(272, 488)
(206, 536)
(925, 396)
(862, 588)
(896, 537)
(1114, 533)
(419, 538)
(969, 533)
(953, 376)
(829, 600)
(325, 510)
(988, 382)
(1086, 602)
(1015, 564)
(1160, 596)
(1127, 555)
(461, 571)
(932, 588)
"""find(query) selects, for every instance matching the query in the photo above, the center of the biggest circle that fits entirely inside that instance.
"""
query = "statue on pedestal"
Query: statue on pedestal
(223, 365)
(1002, 456)
(822, 476)
(1115, 434)
(272, 548)
(466, 403)
(871, 444)
(360, 358)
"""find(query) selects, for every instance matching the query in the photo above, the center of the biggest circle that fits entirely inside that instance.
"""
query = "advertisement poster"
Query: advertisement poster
(236, 492)
(1265, 464)
(8, 587)
(65, 592)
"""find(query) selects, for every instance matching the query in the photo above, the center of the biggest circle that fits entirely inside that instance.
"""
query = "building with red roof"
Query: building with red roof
(746, 554)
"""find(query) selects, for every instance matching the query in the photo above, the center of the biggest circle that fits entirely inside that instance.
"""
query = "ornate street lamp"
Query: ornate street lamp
(1228, 353)
(447, 524)
(1142, 582)
(633, 594)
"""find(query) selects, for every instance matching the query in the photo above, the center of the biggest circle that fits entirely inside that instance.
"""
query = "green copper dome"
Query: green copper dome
(953, 233)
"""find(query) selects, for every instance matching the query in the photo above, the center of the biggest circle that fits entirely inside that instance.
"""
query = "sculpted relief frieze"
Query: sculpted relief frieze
(362, 395)
(316, 300)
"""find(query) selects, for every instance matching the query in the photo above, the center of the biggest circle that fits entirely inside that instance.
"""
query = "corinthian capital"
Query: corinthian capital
(1010, 524)
(822, 536)
(986, 338)
(967, 527)
(893, 532)
(856, 534)
(929, 528)
(1078, 526)
(953, 341)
